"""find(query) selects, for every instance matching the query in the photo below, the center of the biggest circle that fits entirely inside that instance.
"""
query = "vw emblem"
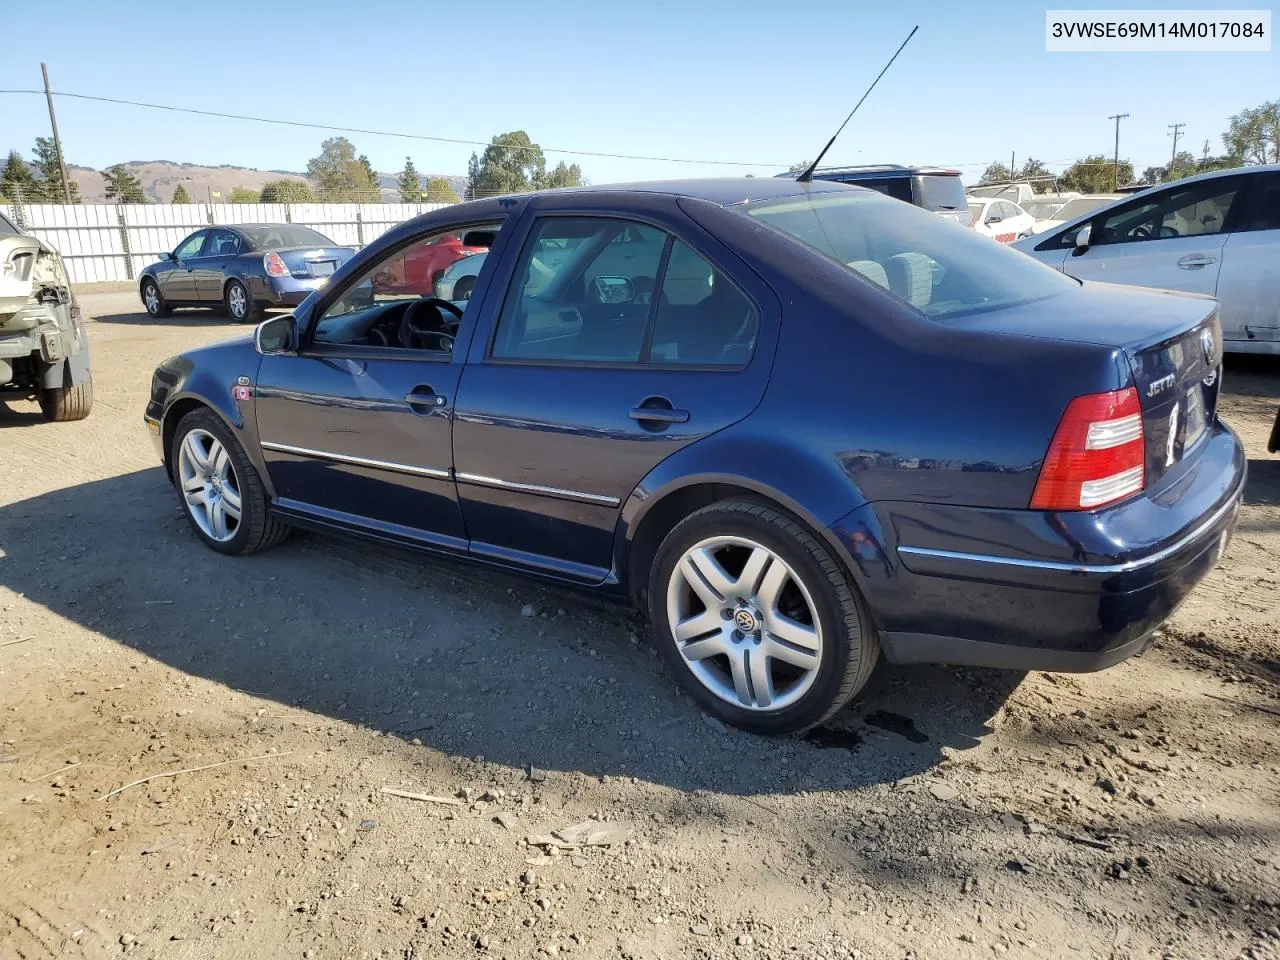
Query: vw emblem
(745, 621)
(1206, 342)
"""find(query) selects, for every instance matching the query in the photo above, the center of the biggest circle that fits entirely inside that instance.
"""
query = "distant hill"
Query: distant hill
(160, 178)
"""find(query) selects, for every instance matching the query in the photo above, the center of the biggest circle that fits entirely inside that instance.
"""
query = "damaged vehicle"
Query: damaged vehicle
(44, 351)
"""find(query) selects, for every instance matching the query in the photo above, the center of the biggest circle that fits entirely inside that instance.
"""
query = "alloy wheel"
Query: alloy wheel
(237, 301)
(151, 298)
(744, 623)
(209, 485)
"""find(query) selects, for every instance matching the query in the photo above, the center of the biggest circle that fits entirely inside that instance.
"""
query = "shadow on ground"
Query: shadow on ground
(439, 650)
(19, 413)
(183, 317)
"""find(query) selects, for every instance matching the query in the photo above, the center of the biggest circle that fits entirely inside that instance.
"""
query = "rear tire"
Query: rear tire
(781, 616)
(61, 404)
(155, 304)
(239, 305)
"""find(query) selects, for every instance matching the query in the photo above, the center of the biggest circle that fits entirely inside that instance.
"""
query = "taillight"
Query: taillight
(274, 266)
(1097, 455)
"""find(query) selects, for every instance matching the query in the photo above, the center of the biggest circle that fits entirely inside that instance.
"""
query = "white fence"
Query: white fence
(114, 242)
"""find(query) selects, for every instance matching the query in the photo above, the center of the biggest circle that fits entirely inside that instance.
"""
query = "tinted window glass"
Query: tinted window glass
(275, 235)
(582, 291)
(941, 193)
(191, 246)
(939, 268)
(1195, 210)
(222, 243)
(6, 228)
(1263, 210)
(702, 318)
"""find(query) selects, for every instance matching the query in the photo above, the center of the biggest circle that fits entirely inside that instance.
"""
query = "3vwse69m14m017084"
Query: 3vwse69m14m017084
(801, 425)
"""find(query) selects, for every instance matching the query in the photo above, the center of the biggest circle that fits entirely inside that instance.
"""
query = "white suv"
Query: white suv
(1216, 234)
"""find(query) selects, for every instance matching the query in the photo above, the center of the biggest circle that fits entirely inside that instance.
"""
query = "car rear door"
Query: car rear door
(1171, 239)
(623, 337)
(220, 249)
(1249, 283)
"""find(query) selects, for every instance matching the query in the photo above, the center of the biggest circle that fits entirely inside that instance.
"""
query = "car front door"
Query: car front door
(1249, 284)
(1171, 239)
(220, 249)
(177, 281)
(356, 428)
(619, 342)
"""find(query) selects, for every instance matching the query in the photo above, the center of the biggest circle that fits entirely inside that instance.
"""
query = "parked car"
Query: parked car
(1216, 234)
(931, 188)
(459, 280)
(1046, 205)
(422, 267)
(1002, 220)
(243, 268)
(803, 426)
(1076, 207)
(44, 350)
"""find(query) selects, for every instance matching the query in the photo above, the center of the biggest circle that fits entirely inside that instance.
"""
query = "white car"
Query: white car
(1077, 206)
(1002, 220)
(1216, 234)
(1046, 206)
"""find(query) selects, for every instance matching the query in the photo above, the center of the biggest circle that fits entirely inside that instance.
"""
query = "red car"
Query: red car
(418, 270)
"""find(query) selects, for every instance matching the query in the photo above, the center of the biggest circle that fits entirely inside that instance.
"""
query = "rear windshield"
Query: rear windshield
(897, 187)
(938, 192)
(940, 268)
(266, 236)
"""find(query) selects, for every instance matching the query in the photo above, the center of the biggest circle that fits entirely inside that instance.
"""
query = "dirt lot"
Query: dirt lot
(948, 814)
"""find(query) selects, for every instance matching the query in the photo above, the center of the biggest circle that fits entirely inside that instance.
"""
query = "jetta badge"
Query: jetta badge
(1161, 385)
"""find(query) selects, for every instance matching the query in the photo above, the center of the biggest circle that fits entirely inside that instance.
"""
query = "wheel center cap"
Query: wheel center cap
(745, 620)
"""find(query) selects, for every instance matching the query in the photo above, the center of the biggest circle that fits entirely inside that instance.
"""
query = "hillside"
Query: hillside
(160, 178)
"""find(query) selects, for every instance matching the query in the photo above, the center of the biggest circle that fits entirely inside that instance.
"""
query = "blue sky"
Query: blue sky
(741, 81)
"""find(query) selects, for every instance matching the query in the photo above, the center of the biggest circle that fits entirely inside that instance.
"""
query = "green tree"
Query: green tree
(798, 168)
(244, 195)
(1040, 176)
(1253, 135)
(439, 191)
(123, 186)
(561, 176)
(287, 191)
(1184, 165)
(1151, 175)
(180, 194)
(511, 163)
(995, 173)
(45, 157)
(16, 182)
(410, 183)
(341, 178)
(1095, 174)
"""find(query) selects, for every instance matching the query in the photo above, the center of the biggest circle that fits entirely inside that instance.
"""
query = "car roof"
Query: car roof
(724, 190)
(879, 171)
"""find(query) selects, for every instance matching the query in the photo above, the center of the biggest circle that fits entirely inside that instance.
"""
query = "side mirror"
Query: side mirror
(991, 220)
(276, 336)
(1083, 236)
(167, 256)
(614, 290)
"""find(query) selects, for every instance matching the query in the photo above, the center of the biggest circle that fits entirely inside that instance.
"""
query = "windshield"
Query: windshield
(1042, 209)
(939, 192)
(274, 235)
(975, 211)
(1081, 205)
(939, 268)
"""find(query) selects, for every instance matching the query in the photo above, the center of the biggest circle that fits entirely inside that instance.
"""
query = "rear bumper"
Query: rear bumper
(283, 291)
(1030, 590)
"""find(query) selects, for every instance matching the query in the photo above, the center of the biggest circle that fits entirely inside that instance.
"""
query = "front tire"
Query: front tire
(153, 301)
(239, 305)
(61, 404)
(757, 620)
(219, 489)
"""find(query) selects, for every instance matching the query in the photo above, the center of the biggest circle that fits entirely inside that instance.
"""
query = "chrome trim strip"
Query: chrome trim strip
(1087, 568)
(357, 461)
(535, 488)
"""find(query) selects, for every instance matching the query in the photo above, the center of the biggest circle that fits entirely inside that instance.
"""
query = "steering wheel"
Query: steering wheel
(423, 325)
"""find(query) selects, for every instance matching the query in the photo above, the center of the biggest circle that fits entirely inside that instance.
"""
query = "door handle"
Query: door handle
(658, 410)
(1193, 260)
(424, 397)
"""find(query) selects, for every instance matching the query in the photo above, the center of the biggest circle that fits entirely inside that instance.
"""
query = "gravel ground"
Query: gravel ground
(947, 814)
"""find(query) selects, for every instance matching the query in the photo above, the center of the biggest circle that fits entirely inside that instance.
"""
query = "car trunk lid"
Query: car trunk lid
(306, 263)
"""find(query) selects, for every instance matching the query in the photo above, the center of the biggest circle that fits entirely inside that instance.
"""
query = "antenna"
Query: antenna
(808, 174)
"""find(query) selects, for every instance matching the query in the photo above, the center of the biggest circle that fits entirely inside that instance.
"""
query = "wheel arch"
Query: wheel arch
(183, 404)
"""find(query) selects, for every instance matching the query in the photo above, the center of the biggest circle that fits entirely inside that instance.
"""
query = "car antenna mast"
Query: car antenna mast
(808, 174)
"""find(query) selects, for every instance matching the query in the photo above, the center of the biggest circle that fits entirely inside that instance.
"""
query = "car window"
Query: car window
(1007, 210)
(222, 243)
(581, 292)
(1015, 210)
(276, 235)
(1197, 209)
(392, 304)
(975, 211)
(1263, 210)
(191, 246)
(701, 318)
(7, 229)
(939, 268)
(897, 187)
(938, 192)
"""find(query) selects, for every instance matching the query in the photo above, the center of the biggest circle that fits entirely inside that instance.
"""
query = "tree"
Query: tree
(1254, 134)
(439, 191)
(1151, 175)
(341, 178)
(995, 173)
(16, 182)
(244, 195)
(511, 163)
(1183, 165)
(561, 176)
(286, 191)
(123, 186)
(410, 183)
(1095, 174)
(180, 194)
(798, 168)
(1033, 170)
(46, 163)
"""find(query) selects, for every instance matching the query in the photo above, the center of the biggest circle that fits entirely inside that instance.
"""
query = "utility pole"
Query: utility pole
(1177, 132)
(1204, 159)
(57, 141)
(1117, 117)
(1013, 166)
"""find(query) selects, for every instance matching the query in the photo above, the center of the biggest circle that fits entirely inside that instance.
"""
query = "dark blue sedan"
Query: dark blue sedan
(802, 426)
(243, 269)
